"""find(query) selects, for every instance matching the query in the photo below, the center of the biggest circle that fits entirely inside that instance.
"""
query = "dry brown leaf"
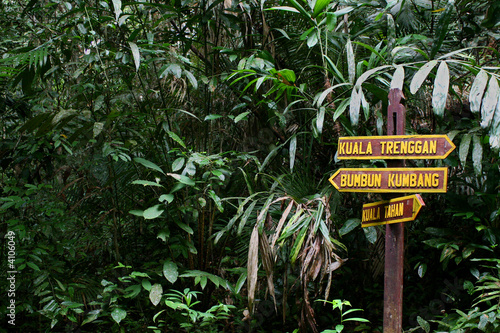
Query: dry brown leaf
(281, 223)
(268, 263)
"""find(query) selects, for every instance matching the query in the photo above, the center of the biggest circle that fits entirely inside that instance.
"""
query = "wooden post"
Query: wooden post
(394, 236)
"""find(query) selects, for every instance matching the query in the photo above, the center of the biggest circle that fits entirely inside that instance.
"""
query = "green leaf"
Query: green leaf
(424, 324)
(342, 107)
(184, 227)
(156, 293)
(297, 245)
(97, 129)
(313, 38)
(136, 55)
(495, 128)
(166, 197)
(71, 304)
(284, 8)
(137, 213)
(349, 225)
(174, 69)
(477, 91)
(288, 75)
(391, 33)
(464, 148)
(319, 6)
(33, 266)
(477, 154)
(183, 179)
(203, 282)
(178, 164)
(489, 103)
(301, 9)
(146, 183)
(191, 78)
(331, 21)
(117, 5)
(269, 157)
(245, 217)
(170, 271)
(176, 138)
(241, 116)
(355, 106)
(212, 117)
(421, 75)
(362, 320)
(293, 150)
(369, 73)
(118, 314)
(148, 164)
(146, 284)
(422, 268)
(483, 321)
(370, 234)
(163, 235)
(398, 78)
(152, 212)
(217, 200)
(351, 65)
(241, 281)
(283, 32)
(364, 105)
(320, 119)
(92, 315)
(440, 92)
(132, 291)
(442, 28)
(190, 168)
(329, 91)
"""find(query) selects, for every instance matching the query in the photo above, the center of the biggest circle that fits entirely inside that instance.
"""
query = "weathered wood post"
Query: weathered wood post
(394, 234)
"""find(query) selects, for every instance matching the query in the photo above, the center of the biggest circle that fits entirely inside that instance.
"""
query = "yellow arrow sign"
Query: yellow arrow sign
(396, 210)
(394, 147)
(391, 180)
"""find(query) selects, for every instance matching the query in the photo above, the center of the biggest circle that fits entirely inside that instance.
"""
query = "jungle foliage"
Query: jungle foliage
(164, 164)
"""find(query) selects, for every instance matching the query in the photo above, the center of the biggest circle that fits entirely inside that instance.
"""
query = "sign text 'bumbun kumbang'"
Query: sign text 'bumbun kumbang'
(395, 147)
(391, 180)
(396, 210)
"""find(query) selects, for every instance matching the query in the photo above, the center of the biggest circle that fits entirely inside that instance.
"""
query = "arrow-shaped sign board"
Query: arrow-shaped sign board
(391, 180)
(396, 210)
(394, 147)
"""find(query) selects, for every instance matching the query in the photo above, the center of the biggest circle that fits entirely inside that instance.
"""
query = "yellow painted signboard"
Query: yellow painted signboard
(394, 147)
(396, 210)
(391, 180)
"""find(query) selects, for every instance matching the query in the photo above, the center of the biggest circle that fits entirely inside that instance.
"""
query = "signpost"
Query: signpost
(391, 180)
(395, 147)
(396, 210)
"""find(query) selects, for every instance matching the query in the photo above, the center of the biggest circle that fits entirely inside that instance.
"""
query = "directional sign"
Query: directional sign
(394, 147)
(396, 210)
(391, 180)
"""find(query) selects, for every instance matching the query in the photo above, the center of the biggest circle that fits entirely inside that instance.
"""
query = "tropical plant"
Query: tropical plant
(339, 304)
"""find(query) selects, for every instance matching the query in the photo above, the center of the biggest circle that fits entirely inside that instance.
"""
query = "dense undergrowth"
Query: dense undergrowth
(164, 165)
